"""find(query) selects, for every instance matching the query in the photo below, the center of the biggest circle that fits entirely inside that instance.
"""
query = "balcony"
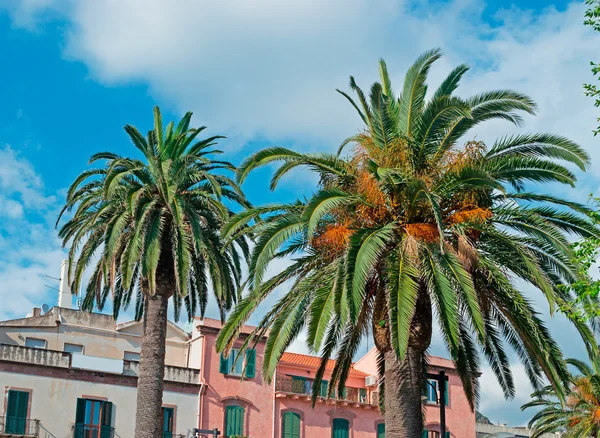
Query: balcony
(19, 427)
(60, 359)
(286, 386)
(89, 431)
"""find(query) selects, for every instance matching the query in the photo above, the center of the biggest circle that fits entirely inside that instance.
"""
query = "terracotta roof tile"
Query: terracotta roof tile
(308, 361)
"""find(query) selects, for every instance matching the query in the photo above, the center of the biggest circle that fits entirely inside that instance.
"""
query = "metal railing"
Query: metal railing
(88, 431)
(15, 426)
(304, 387)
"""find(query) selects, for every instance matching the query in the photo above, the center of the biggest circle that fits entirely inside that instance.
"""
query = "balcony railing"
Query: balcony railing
(92, 431)
(21, 427)
(290, 385)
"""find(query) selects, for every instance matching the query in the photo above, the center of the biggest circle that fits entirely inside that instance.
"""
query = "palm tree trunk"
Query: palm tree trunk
(403, 380)
(148, 417)
(403, 392)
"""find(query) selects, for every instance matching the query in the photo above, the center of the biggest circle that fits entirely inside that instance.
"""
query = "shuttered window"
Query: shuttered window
(432, 392)
(340, 428)
(324, 388)
(233, 366)
(168, 416)
(290, 425)
(234, 420)
(381, 430)
(16, 413)
(93, 418)
(362, 394)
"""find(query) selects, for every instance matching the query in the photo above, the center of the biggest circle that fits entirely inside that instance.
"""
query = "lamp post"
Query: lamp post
(441, 378)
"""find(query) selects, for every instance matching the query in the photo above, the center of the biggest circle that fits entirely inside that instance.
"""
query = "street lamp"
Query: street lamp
(441, 378)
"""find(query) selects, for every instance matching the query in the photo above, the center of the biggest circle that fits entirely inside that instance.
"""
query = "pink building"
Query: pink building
(248, 406)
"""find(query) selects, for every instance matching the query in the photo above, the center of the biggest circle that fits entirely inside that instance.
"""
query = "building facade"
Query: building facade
(72, 374)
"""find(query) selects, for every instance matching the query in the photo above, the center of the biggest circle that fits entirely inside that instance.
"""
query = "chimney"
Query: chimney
(36, 312)
(64, 294)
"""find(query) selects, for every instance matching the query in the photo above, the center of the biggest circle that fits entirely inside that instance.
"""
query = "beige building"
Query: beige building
(75, 374)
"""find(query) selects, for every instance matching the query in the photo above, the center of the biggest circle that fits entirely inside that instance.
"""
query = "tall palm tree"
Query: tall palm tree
(579, 417)
(415, 224)
(151, 229)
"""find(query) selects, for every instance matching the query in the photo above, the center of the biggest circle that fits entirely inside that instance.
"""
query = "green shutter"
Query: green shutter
(79, 417)
(290, 425)
(168, 414)
(16, 413)
(224, 365)
(340, 428)
(425, 435)
(343, 395)
(250, 363)
(106, 421)
(446, 394)
(381, 430)
(234, 421)
(446, 434)
(324, 388)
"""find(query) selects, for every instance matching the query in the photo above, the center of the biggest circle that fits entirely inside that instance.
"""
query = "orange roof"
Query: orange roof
(308, 361)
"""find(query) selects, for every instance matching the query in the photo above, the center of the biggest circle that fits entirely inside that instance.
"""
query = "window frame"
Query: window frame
(74, 345)
(135, 353)
(45, 347)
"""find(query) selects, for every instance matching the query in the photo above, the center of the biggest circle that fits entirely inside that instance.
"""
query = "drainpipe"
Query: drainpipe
(203, 381)
(274, 401)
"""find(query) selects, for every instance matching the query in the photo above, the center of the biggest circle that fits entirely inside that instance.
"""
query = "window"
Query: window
(16, 413)
(381, 430)
(132, 356)
(93, 419)
(290, 425)
(35, 343)
(234, 420)
(73, 348)
(233, 366)
(168, 416)
(433, 392)
(340, 428)
(362, 395)
(301, 385)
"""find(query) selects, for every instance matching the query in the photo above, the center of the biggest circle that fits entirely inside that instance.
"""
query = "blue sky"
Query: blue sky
(262, 72)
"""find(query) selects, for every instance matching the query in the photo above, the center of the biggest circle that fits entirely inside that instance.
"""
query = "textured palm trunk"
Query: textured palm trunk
(403, 380)
(148, 417)
(403, 392)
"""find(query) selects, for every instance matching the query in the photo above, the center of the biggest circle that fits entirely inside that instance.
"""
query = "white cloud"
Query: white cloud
(29, 247)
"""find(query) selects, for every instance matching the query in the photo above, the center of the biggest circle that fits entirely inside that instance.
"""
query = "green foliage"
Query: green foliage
(418, 223)
(158, 219)
(586, 290)
(576, 418)
(592, 19)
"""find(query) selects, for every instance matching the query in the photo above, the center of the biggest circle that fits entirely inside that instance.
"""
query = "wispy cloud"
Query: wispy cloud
(29, 248)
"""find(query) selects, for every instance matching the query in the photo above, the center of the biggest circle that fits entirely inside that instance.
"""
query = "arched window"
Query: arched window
(340, 428)
(290, 425)
(234, 420)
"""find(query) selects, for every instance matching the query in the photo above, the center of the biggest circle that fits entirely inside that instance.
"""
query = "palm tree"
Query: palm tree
(151, 229)
(579, 417)
(414, 224)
